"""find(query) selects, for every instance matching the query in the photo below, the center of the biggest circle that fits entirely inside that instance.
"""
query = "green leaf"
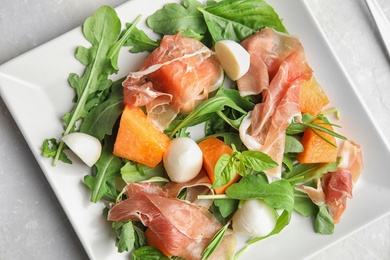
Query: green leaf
(226, 206)
(303, 204)
(324, 223)
(215, 242)
(148, 253)
(205, 110)
(292, 145)
(126, 236)
(136, 172)
(257, 160)
(238, 19)
(113, 52)
(140, 41)
(105, 170)
(49, 150)
(278, 194)
(174, 17)
(306, 172)
(101, 119)
(102, 30)
(224, 171)
(300, 127)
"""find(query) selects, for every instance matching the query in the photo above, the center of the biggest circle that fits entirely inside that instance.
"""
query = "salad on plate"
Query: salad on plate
(223, 131)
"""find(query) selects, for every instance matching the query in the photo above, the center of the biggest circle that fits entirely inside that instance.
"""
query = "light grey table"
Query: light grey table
(33, 224)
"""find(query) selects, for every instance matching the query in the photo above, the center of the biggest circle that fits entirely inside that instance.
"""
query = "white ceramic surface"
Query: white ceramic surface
(31, 215)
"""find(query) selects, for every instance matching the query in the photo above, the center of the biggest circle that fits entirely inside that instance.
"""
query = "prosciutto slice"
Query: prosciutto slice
(280, 104)
(185, 229)
(351, 158)
(200, 185)
(335, 188)
(267, 49)
(173, 77)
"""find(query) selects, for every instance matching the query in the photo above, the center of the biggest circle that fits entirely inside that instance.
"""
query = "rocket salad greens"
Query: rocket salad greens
(98, 104)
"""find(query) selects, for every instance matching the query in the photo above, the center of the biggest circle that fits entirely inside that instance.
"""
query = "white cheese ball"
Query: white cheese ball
(87, 147)
(183, 159)
(235, 60)
(255, 218)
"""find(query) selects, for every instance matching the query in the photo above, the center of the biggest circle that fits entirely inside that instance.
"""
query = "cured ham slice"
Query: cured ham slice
(351, 159)
(200, 185)
(180, 72)
(267, 49)
(337, 187)
(184, 228)
(280, 104)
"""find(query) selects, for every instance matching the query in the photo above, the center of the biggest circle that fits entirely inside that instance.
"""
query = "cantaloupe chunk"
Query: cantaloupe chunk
(212, 149)
(312, 98)
(316, 149)
(138, 140)
(153, 240)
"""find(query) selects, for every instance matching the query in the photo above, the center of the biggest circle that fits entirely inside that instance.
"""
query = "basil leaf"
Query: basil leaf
(292, 145)
(257, 161)
(148, 253)
(174, 17)
(303, 204)
(224, 171)
(324, 223)
(238, 19)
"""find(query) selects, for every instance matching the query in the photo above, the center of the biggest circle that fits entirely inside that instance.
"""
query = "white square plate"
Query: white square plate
(34, 86)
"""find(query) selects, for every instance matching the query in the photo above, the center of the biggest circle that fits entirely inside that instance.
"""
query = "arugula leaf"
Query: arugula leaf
(49, 150)
(174, 17)
(302, 173)
(101, 30)
(237, 19)
(126, 236)
(136, 172)
(205, 111)
(101, 119)
(105, 170)
(139, 41)
(113, 52)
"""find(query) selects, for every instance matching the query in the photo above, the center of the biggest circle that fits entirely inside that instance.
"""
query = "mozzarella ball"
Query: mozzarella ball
(88, 148)
(235, 60)
(183, 159)
(255, 218)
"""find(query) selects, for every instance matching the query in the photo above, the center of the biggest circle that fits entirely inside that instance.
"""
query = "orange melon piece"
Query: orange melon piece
(138, 140)
(317, 150)
(153, 240)
(312, 98)
(212, 149)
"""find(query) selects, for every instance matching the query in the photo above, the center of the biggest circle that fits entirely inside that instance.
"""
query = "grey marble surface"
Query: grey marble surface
(33, 224)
